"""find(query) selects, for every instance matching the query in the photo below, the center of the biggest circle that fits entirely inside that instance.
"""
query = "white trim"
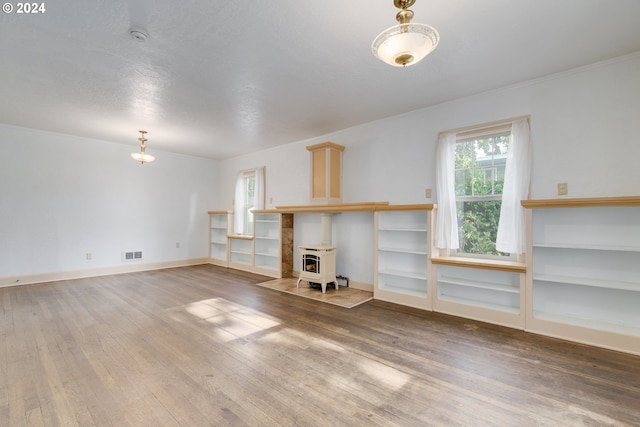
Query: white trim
(31, 279)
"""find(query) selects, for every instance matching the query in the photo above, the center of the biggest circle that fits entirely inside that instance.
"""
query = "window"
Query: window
(479, 178)
(249, 196)
(482, 175)
(249, 188)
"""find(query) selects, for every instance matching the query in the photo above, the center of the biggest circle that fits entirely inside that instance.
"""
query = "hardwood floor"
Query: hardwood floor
(204, 346)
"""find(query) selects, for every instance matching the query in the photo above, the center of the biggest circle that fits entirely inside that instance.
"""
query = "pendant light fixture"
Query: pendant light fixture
(405, 44)
(142, 157)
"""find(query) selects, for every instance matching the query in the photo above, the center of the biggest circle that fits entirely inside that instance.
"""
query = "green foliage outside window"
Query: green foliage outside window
(479, 164)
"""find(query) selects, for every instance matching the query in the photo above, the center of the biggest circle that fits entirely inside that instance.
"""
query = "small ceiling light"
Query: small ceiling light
(138, 35)
(406, 43)
(142, 157)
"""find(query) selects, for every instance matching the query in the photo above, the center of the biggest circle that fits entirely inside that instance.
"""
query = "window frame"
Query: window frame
(247, 226)
(243, 205)
(473, 135)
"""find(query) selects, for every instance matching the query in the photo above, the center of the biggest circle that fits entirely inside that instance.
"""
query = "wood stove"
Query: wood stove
(318, 265)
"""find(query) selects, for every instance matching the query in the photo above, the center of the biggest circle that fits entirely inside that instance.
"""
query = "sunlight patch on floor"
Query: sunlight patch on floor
(201, 310)
(231, 320)
(386, 375)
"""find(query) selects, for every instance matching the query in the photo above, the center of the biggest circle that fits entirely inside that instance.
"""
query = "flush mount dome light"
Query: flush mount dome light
(405, 44)
(138, 35)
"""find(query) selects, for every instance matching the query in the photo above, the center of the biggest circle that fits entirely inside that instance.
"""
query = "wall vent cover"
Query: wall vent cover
(132, 256)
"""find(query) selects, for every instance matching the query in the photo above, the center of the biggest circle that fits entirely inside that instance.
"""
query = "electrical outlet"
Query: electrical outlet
(563, 189)
(89, 256)
(177, 245)
(427, 193)
(270, 200)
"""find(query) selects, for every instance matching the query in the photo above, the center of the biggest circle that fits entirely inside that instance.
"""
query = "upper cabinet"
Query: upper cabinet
(326, 173)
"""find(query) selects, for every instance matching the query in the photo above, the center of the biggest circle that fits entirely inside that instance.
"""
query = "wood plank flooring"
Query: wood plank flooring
(205, 346)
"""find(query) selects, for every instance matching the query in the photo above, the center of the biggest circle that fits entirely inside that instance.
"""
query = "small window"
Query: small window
(483, 174)
(480, 162)
(249, 196)
(249, 186)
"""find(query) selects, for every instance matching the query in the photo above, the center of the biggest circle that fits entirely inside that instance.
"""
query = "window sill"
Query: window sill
(486, 264)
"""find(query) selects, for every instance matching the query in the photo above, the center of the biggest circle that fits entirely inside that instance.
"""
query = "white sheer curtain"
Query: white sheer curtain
(511, 227)
(240, 204)
(258, 194)
(447, 219)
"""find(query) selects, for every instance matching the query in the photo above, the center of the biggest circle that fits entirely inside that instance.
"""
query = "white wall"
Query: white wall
(583, 133)
(64, 196)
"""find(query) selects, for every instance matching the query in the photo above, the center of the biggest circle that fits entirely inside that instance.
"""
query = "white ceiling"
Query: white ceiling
(222, 78)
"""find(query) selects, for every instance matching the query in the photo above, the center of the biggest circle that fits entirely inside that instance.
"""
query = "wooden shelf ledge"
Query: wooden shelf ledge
(341, 207)
(486, 264)
(419, 207)
(582, 202)
(351, 207)
(240, 236)
(266, 211)
(336, 207)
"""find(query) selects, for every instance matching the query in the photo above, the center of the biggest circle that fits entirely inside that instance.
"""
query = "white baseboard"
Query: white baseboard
(362, 286)
(30, 279)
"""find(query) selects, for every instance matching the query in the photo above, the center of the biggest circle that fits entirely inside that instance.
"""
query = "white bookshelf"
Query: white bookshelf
(267, 244)
(218, 230)
(585, 278)
(486, 294)
(260, 253)
(402, 255)
(240, 252)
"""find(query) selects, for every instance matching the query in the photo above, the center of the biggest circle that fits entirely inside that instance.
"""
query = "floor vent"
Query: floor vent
(132, 256)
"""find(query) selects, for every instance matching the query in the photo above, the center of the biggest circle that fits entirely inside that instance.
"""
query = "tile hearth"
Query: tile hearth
(344, 297)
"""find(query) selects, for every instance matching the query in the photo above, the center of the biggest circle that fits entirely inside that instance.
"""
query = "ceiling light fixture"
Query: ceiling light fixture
(142, 157)
(406, 43)
(138, 35)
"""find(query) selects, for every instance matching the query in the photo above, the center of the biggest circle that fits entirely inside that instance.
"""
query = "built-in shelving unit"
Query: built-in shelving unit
(267, 236)
(402, 254)
(218, 230)
(579, 280)
(476, 292)
(269, 251)
(585, 280)
(490, 290)
(240, 251)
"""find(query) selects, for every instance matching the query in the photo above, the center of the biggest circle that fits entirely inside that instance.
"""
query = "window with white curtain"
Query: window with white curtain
(479, 163)
(249, 196)
(483, 174)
